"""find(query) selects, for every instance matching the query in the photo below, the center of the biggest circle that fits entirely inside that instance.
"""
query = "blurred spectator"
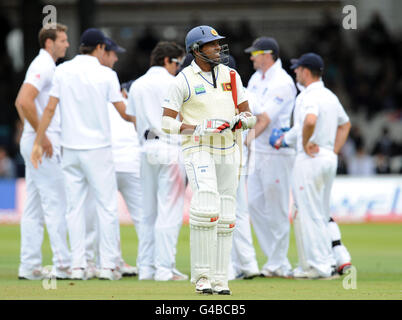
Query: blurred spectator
(383, 165)
(361, 164)
(383, 150)
(7, 169)
(384, 145)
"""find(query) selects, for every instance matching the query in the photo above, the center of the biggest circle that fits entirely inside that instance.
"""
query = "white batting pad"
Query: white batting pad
(226, 225)
(204, 213)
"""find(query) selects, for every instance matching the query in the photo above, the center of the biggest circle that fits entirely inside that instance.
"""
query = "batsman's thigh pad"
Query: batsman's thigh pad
(204, 208)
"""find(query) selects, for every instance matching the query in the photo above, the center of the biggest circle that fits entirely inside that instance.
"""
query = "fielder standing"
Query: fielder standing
(126, 158)
(162, 171)
(46, 200)
(82, 88)
(321, 129)
(269, 183)
(202, 93)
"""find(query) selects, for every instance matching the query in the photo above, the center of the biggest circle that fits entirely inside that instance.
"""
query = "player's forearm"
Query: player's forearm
(28, 109)
(244, 107)
(341, 136)
(20, 112)
(308, 128)
(47, 117)
(262, 123)
(290, 137)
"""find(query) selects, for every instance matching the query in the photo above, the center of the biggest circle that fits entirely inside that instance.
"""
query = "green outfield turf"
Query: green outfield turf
(376, 251)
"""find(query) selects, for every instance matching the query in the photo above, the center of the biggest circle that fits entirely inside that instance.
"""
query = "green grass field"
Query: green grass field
(376, 251)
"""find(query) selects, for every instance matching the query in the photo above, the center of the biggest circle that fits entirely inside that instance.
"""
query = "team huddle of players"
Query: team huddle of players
(85, 138)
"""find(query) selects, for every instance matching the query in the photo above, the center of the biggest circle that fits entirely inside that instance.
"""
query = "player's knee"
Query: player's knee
(204, 208)
(227, 217)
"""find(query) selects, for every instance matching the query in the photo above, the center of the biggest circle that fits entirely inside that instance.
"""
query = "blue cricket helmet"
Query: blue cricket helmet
(199, 36)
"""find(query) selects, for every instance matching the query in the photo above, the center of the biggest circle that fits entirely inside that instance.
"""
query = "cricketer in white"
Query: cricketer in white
(82, 88)
(46, 199)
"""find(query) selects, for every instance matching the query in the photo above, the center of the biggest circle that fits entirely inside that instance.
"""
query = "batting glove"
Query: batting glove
(277, 138)
(211, 126)
(243, 120)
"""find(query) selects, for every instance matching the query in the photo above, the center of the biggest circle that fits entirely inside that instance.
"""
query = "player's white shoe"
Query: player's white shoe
(312, 274)
(279, 273)
(220, 288)
(203, 286)
(128, 271)
(247, 275)
(109, 274)
(61, 273)
(36, 274)
(78, 274)
(92, 272)
(176, 276)
(343, 259)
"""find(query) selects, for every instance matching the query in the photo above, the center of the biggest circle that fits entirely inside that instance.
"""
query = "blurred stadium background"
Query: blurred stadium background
(363, 67)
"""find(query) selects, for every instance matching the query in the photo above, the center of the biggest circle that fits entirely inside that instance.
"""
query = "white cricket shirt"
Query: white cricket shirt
(84, 88)
(318, 100)
(275, 94)
(125, 145)
(145, 100)
(194, 95)
(40, 75)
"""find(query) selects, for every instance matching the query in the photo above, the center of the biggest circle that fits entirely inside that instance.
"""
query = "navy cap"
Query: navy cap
(264, 43)
(92, 37)
(112, 46)
(310, 60)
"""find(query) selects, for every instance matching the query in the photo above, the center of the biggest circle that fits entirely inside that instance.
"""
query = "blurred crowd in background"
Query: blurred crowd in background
(364, 73)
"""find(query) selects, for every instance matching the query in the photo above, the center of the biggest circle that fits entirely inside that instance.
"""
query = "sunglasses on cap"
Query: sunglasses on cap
(258, 52)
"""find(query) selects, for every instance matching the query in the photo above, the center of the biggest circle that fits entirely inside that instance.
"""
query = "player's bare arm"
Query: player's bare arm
(25, 104)
(48, 113)
(18, 105)
(121, 109)
(262, 123)
(341, 136)
(308, 130)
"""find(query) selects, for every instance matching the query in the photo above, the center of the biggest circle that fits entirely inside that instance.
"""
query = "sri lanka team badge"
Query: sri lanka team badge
(214, 33)
(226, 86)
(199, 89)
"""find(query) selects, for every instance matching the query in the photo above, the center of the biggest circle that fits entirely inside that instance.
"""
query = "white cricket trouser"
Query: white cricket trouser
(92, 169)
(211, 245)
(312, 180)
(268, 200)
(128, 183)
(91, 230)
(163, 187)
(45, 203)
(243, 252)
